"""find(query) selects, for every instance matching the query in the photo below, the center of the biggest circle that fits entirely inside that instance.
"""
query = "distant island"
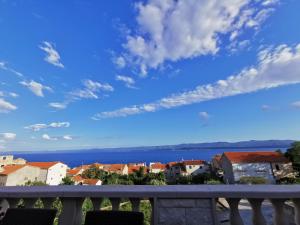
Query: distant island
(209, 145)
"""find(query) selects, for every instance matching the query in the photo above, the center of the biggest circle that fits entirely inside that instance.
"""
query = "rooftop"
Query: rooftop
(42, 165)
(256, 157)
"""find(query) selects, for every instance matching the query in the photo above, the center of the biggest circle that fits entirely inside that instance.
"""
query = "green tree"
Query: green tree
(293, 154)
(94, 173)
(35, 183)
(67, 181)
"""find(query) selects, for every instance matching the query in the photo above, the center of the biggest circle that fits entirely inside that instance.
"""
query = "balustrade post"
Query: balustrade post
(115, 203)
(297, 211)
(29, 202)
(48, 202)
(13, 202)
(96, 203)
(257, 216)
(135, 202)
(279, 215)
(235, 217)
(71, 211)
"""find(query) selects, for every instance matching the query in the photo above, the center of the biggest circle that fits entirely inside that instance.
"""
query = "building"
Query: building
(157, 167)
(79, 180)
(9, 160)
(184, 168)
(132, 168)
(51, 173)
(16, 175)
(269, 165)
(121, 169)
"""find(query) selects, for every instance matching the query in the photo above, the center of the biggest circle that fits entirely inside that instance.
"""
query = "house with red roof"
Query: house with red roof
(157, 167)
(51, 173)
(16, 175)
(184, 168)
(269, 165)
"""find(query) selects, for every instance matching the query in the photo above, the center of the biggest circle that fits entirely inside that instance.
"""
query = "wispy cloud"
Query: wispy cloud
(35, 87)
(4, 66)
(58, 105)
(178, 29)
(296, 104)
(6, 106)
(8, 136)
(52, 56)
(204, 115)
(91, 90)
(128, 81)
(56, 138)
(276, 67)
(41, 126)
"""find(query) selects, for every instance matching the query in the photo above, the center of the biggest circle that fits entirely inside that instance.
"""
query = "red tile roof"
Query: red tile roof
(193, 162)
(158, 166)
(114, 167)
(42, 165)
(132, 169)
(256, 157)
(90, 181)
(10, 169)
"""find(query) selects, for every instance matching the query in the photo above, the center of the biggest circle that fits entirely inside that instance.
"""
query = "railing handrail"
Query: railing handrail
(149, 191)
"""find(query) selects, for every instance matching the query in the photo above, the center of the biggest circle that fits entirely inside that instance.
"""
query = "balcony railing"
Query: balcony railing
(171, 205)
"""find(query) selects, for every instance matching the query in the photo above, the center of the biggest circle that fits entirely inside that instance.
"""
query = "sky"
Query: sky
(97, 74)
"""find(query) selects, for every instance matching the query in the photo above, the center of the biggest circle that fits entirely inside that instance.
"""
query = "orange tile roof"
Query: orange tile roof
(114, 167)
(193, 162)
(91, 181)
(132, 169)
(256, 157)
(77, 178)
(42, 165)
(73, 172)
(158, 166)
(10, 169)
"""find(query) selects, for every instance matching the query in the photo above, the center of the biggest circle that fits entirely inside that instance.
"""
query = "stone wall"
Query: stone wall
(185, 212)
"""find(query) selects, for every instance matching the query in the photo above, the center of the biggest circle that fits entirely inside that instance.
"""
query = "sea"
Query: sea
(81, 157)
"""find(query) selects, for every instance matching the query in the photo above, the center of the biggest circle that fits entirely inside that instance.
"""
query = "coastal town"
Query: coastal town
(269, 167)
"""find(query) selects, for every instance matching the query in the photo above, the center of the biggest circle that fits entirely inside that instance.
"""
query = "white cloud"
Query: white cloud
(171, 30)
(296, 104)
(52, 56)
(8, 136)
(6, 107)
(276, 67)
(128, 81)
(58, 105)
(266, 107)
(13, 94)
(40, 126)
(68, 137)
(119, 62)
(48, 138)
(204, 115)
(56, 138)
(91, 90)
(4, 66)
(35, 87)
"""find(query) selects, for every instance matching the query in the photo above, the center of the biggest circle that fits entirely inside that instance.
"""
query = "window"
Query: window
(190, 167)
(4, 158)
(201, 167)
(277, 167)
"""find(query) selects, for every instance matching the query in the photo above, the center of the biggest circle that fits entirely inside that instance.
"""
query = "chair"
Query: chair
(114, 218)
(21, 216)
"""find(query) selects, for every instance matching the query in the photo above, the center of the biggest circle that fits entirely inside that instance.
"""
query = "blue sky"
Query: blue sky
(86, 74)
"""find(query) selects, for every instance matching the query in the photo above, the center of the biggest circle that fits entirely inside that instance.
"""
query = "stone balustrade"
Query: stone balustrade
(171, 205)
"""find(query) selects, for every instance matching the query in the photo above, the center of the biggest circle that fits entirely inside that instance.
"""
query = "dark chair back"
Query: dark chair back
(114, 218)
(29, 217)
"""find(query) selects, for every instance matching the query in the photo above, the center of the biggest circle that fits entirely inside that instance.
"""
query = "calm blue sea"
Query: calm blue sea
(76, 158)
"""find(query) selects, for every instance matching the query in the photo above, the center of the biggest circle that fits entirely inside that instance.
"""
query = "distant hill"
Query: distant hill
(211, 145)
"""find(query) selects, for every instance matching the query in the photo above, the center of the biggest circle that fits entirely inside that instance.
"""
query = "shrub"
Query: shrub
(253, 180)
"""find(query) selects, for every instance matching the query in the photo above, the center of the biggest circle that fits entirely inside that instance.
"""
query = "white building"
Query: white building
(184, 168)
(157, 167)
(9, 160)
(51, 173)
(16, 175)
(269, 165)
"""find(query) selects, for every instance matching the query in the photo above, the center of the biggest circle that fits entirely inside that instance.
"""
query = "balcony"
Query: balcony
(171, 205)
